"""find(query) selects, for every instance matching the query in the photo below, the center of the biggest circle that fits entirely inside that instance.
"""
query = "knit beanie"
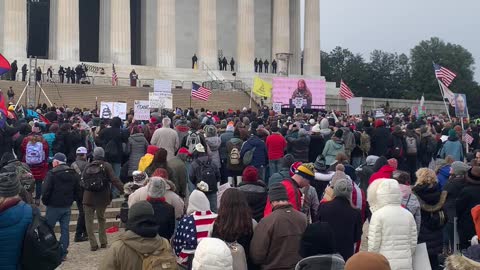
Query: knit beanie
(367, 261)
(393, 163)
(337, 176)
(277, 192)
(197, 201)
(250, 174)
(306, 171)
(317, 239)
(452, 133)
(320, 164)
(370, 161)
(152, 149)
(287, 161)
(9, 185)
(459, 168)
(98, 153)
(156, 188)
(343, 189)
(160, 172)
(139, 210)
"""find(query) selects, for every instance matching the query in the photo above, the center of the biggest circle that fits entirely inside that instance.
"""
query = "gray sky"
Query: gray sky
(397, 26)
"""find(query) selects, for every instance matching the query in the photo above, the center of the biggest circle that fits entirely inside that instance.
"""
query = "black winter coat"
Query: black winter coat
(468, 198)
(61, 187)
(379, 141)
(317, 143)
(118, 137)
(433, 238)
(164, 216)
(299, 147)
(346, 223)
(256, 194)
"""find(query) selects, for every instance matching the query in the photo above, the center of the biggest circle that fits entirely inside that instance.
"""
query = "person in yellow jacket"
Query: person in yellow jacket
(147, 159)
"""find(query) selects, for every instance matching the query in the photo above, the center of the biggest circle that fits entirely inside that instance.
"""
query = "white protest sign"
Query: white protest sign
(355, 105)
(379, 113)
(113, 109)
(164, 86)
(298, 102)
(159, 100)
(277, 107)
(141, 110)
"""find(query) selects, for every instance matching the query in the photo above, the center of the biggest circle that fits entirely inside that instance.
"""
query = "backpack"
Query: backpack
(34, 154)
(206, 173)
(25, 176)
(41, 250)
(411, 145)
(365, 142)
(238, 256)
(348, 140)
(234, 156)
(248, 156)
(397, 149)
(93, 177)
(192, 139)
(159, 259)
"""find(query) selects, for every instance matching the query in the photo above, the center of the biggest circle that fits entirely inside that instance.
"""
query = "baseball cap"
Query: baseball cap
(82, 151)
(60, 157)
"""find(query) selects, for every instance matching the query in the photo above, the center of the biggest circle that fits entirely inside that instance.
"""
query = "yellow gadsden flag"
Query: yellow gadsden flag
(262, 88)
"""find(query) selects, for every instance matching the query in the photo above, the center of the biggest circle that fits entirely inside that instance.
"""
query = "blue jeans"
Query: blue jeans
(212, 198)
(274, 166)
(117, 168)
(261, 172)
(38, 190)
(61, 215)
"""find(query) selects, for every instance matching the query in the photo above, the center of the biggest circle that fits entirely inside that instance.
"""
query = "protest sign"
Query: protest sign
(113, 109)
(164, 86)
(355, 105)
(277, 107)
(160, 100)
(141, 109)
(298, 102)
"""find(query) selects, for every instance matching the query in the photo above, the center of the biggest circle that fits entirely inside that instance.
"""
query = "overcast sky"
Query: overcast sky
(397, 26)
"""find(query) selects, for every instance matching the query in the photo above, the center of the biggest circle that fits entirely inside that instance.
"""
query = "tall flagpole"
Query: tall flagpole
(443, 98)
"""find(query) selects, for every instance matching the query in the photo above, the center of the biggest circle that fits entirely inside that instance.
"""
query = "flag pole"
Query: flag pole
(443, 98)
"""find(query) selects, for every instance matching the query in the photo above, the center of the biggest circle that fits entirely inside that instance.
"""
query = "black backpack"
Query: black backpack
(41, 250)
(397, 149)
(206, 172)
(94, 177)
(113, 150)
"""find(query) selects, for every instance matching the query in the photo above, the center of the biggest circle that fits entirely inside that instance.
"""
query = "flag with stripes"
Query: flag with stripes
(200, 92)
(444, 74)
(467, 138)
(345, 91)
(114, 76)
(447, 94)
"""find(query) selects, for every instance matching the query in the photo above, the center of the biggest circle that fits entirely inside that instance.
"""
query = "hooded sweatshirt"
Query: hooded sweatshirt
(385, 171)
(332, 148)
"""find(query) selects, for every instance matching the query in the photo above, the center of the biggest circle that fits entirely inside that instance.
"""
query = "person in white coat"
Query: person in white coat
(212, 254)
(392, 231)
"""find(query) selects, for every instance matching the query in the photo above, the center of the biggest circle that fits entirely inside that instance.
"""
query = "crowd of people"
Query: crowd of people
(72, 75)
(245, 190)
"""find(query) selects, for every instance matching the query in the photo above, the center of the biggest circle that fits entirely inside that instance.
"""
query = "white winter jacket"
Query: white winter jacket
(392, 231)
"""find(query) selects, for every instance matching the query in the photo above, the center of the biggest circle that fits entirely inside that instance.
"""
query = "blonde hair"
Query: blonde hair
(426, 176)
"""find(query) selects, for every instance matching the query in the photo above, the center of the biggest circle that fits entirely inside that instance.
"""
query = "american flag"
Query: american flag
(345, 91)
(200, 92)
(114, 76)
(467, 138)
(444, 74)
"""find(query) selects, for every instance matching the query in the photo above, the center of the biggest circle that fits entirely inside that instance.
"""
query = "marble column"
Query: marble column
(295, 37)
(165, 28)
(245, 35)
(64, 38)
(281, 27)
(114, 38)
(14, 29)
(207, 34)
(149, 33)
(311, 55)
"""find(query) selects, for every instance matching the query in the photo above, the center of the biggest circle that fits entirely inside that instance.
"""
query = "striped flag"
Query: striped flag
(467, 138)
(114, 76)
(200, 92)
(444, 74)
(447, 93)
(345, 91)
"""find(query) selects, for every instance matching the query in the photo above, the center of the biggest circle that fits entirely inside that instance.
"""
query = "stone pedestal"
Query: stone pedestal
(245, 35)
(281, 27)
(166, 45)
(295, 37)
(207, 33)
(115, 44)
(64, 38)
(14, 37)
(311, 57)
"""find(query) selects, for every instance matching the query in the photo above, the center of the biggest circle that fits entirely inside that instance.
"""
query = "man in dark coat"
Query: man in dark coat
(61, 74)
(164, 212)
(68, 71)
(260, 65)
(266, 63)
(194, 60)
(255, 63)
(225, 63)
(466, 200)
(232, 65)
(274, 66)
(13, 70)
(380, 139)
(255, 192)
(72, 75)
(24, 72)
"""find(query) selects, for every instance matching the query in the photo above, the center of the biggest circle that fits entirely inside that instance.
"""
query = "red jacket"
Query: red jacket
(294, 196)
(385, 172)
(39, 171)
(276, 145)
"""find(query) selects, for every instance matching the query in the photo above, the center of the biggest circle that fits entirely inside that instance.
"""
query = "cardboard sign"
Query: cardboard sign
(164, 86)
(141, 109)
(298, 103)
(160, 100)
(277, 107)
(355, 105)
(113, 109)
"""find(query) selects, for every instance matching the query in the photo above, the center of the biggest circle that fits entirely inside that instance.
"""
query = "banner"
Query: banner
(461, 105)
(159, 100)
(164, 86)
(141, 110)
(379, 113)
(110, 110)
(262, 88)
(277, 107)
(355, 105)
(285, 90)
